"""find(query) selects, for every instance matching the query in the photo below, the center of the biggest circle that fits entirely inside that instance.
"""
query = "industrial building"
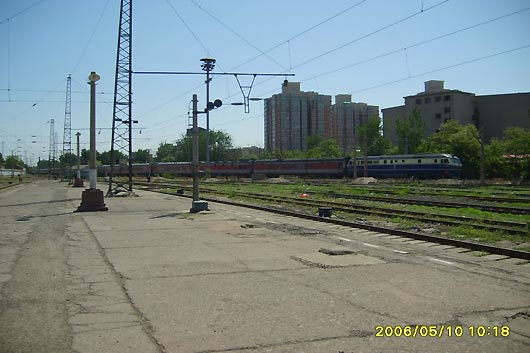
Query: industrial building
(491, 113)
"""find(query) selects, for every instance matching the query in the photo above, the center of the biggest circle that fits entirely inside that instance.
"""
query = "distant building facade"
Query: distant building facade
(293, 115)
(492, 113)
(346, 118)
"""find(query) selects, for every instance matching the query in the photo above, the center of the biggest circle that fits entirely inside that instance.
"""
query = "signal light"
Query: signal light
(215, 104)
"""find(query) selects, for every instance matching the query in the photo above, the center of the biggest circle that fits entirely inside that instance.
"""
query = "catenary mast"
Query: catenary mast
(122, 112)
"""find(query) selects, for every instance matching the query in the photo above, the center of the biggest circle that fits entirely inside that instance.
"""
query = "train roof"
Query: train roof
(412, 156)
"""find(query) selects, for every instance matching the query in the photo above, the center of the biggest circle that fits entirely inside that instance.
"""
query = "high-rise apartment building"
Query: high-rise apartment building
(293, 115)
(346, 118)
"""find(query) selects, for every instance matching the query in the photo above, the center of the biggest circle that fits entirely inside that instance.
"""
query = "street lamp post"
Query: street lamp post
(92, 198)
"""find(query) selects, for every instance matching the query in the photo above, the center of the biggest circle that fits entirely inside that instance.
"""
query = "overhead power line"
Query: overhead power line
(249, 60)
(21, 12)
(444, 68)
(189, 28)
(406, 18)
(238, 35)
(90, 38)
(287, 41)
(417, 44)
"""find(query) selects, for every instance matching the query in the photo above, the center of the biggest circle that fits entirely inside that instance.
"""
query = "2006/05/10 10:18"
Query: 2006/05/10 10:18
(441, 331)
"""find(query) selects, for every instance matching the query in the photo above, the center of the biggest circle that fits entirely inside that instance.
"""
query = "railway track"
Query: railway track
(361, 225)
(481, 198)
(520, 198)
(489, 206)
(481, 223)
(436, 203)
(478, 223)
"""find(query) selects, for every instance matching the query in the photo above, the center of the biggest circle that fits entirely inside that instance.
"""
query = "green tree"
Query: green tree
(43, 164)
(461, 140)
(68, 159)
(104, 157)
(313, 141)
(142, 156)
(410, 132)
(12, 162)
(220, 146)
(166, 152)
(370, 134)
(84, 156)
(495, 164)
(324, 149)
(511, 153)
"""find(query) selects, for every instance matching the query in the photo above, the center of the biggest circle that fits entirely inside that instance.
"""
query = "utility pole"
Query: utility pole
(51, 154)
(197, 205)
(78, 182)
(354, 145)
(208, 65)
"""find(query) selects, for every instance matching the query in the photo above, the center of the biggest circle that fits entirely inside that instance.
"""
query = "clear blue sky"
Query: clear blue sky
(42, 44)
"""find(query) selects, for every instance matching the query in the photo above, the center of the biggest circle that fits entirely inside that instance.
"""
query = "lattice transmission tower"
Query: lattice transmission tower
(122, 113)
(67, 132)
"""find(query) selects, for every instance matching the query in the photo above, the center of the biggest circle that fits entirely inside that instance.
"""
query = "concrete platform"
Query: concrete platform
(148, 276)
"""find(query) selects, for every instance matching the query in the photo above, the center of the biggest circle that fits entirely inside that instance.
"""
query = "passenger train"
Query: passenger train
(433, 166)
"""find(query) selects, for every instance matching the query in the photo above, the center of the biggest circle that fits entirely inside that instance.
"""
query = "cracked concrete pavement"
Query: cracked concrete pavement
(147, 276)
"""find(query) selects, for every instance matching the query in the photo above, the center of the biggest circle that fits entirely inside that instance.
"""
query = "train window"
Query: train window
(384, 161)
(395, 161)
(435, 160)
(402, 161)
(419, 161)
(391, 161)
(445, 160)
